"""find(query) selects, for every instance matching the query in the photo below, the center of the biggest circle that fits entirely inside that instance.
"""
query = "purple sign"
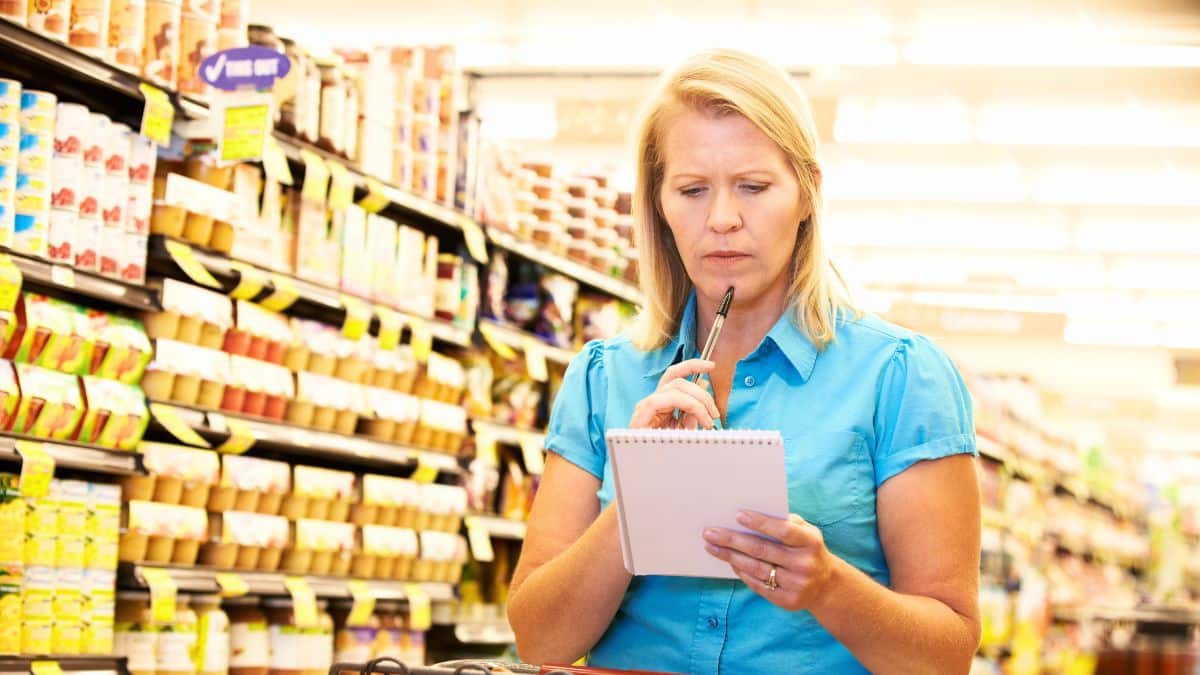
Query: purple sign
(244, 68)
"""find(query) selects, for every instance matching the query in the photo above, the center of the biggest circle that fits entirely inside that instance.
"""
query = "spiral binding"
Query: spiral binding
(693, 436)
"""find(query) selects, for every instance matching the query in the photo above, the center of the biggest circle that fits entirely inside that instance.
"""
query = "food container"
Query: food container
(63, 231)
(127, 33)
(160, 52)
(14, 10)
(89, 27)
(51, 18)
(198, 39)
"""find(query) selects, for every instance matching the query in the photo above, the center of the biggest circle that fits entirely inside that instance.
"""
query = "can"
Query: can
(51, 18)
(117, 150)
(160, 50)
(71, 122)
(10, 100)
(141, 203)
(111, 241)
(197, 40)
(10, 143)
(89, 26)
(133, 258)
(114, 199)
(63, 232)
(95, 139)
(37, 111)
(127, 34)
(67, 174)
(16, 12)
(143, 156)
(87, 243)
(36, 152)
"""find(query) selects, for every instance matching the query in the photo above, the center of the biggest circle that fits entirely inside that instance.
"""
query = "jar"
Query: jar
(318, 642)
(160, 56)
(264, 36)
(89, 26)
(126, 33)
(212, 636)
(449, 286)
(293, 103)
(286, 643)
(389, 639)
(198, 40)
(353, 105)
(309, 119)
(354, 643)
(249, 641)
(332, 129)
(134, 634)
(175, 641)
(50, 18)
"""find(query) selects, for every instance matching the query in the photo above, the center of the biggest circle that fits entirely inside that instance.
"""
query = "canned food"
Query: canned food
(198, 39)
(94, 141)
(114, 199)
(71, 123)
(37, 149)
(127, 33)
(67, 636)
(68, 177)
(63, 231)
(10, 100)
(160, 55)
(89, 26)
(87, 243)
(117, 150)
(15, 11)
(51, 18)
(37, 111)
(142, 157)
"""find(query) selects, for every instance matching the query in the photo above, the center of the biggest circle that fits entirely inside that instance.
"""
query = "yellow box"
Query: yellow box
(98, 637)
(99, 555)
(10, 619)
(104, 522)
(37, 636)
(66, 637)
(37, 604)
(72, 519)
(39, 550)
(41, 517)
(68, 552)
(68, 605)
(12, 531)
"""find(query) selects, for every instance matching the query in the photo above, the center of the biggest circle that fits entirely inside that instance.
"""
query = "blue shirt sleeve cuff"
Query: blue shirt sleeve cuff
(897, 462)
(588, 461)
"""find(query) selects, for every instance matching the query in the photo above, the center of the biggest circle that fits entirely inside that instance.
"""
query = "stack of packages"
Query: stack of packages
(10, 142)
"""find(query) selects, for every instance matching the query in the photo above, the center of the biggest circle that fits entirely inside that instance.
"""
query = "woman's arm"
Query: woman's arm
(570, 579)
(928, 621)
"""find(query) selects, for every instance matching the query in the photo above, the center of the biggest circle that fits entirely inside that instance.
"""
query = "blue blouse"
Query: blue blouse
(871, 404)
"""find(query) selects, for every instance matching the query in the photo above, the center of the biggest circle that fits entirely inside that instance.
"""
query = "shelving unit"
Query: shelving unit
(504, 433)
(616, 287)
(498, 527)
(76, 456)
(68, 283)
(518, 339)
(83, 665)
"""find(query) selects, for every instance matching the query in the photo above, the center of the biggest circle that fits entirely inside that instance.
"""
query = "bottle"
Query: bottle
(211, 652)
(173, 655)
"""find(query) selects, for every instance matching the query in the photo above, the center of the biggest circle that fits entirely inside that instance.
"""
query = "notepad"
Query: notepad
(672, 484)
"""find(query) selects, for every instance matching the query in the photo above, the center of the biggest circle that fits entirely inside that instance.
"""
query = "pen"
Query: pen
(715, 331)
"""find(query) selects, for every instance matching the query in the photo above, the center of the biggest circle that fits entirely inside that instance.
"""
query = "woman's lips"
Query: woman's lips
(726, 257)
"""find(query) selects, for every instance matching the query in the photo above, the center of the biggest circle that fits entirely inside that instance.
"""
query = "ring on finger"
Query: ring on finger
(772, 581)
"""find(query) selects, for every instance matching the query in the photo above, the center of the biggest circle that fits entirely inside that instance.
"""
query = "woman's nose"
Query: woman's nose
(724, 214)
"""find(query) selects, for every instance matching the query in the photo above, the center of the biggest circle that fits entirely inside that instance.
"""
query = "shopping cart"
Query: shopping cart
(390, 666)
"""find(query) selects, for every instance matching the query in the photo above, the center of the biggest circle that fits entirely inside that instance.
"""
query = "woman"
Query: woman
(877, 567)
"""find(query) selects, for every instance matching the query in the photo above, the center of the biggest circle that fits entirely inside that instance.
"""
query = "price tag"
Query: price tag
(10, 283)
(232, 585)
(241, 438)
(425, 473)
(358, 317)
(364, 603)
(45, 668)
(316, 176)
(169, 418)
(419, 609)
(376, 199)
(157, 116)
(532, 448)
(37, 468)
(485, 448)
(341, 188)
(480, 540)
(422, 339)
(185, 257)
(492, 337)
(535, 360)
(304, 601)
(162, 594)
(244, 129)
(284, 295)
(275, 163)
(476, 240)
(63, 276)
(250, 281)
(390, 324)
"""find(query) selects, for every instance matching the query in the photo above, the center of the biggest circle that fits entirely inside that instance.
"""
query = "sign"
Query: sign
(244, 68)
(419, 611)
(37, 469)
(364, 603)
(358, 317)
(425, 473)
(531, 449)
(422, 339)
(376, 199)
(341, 188)
(304, 601)
(316, 176)
(162, 594)
(157, 116)
(251, 281)
(232, 585)
(476, 241)
(185, 258)
(496, 342)
(390, 324)
(480, 540)
(245, 125)
(284, 295)
(535, 360)
(275, 163)
(169, 418)
(241, 437)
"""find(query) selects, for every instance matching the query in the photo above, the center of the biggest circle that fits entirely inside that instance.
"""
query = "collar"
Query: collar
(785, 336)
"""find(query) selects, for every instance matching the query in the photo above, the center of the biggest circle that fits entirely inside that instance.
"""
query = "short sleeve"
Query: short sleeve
(923, 410)
(576, 430)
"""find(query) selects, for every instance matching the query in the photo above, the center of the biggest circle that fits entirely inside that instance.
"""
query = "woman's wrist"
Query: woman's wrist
(838, 577)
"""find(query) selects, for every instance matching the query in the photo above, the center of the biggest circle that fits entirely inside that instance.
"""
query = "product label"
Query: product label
(139, 645)
(36, 636)
(285, 646)
(212, 646)
(174, 651)
(249, 645)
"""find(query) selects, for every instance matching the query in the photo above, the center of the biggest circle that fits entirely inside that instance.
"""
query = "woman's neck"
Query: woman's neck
(748, 322)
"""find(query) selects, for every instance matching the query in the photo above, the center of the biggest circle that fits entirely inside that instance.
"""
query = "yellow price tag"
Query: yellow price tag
(480, 540)
(485, 448)
(376, 199)
(241, 438)
(419, 610)
(304, 601)
(185, 257)
(358, 317)
(316, 176)
(535, 360)
(390, 324)
(275, 163)
(284, 295)
(157, 116)
(425, 473)
(532, 448)
(232, 585)
(364, 603)
(37, 468)
(45, 668)
(250, 281)
(422, 339)
(244, 131)
(169, 418)
(476, 240)
(10, 283)
(492, 337)
(341, 188)
(162, 594)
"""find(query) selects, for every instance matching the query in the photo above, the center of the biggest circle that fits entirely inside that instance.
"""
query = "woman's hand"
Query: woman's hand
(675, 392)
(803, 566)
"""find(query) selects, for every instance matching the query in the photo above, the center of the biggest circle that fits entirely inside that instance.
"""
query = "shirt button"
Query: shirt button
(712, 622)
(749, 381)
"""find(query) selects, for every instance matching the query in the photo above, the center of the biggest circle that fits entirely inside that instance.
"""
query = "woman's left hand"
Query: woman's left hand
(803, 565)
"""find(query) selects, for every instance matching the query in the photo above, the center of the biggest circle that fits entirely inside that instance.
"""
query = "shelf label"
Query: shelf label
(162, 594)
(358, 317)
(364, 603)
(185, 258)
(241, 437)
(251, 281)
(157, 116)
(390, 324)
(275, 162)
(532, 448)
(37, 468)
(10, 283)
(426, 473)
(420, 615)
(284, 295)
(422, 339)
(245, 125)
(169, 418)
(45, 668)
(480, 540)
(63, 276)
(232, 585)
(485, 447)
(535, 360)
(376, 199)
(316, 176)
(476, 240)
(239, 68)
(341, 188)
(304, 601)
(492, 336)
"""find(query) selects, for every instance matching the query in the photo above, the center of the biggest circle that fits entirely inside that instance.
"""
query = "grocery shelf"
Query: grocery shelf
(204, 580)
(484, 633)
(498, 527)
(1148, 614)
(69, 663)
(68, 283)
(505, 433)
(301, 442)
(518, 339)
(77, 456)
(582, 273)
(315, 302)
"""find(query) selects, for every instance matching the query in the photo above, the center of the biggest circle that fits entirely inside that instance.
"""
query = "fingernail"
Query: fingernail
(711, 534)
(744, 517)
(712, 550)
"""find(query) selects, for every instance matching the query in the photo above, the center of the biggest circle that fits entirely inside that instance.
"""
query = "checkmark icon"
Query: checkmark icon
(211, 73)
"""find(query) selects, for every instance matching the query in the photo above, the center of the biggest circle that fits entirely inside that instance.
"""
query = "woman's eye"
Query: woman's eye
(754, 188)
(691, 192)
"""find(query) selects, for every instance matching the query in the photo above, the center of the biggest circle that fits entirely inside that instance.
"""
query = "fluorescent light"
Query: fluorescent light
(1118, 233)
(528, 121)
(859, 180)
(1002, 48)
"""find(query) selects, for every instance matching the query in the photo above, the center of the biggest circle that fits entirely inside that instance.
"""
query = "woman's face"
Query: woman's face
(733, 204)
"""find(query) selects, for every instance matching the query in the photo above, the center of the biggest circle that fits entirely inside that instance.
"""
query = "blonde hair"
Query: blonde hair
(730, 82)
